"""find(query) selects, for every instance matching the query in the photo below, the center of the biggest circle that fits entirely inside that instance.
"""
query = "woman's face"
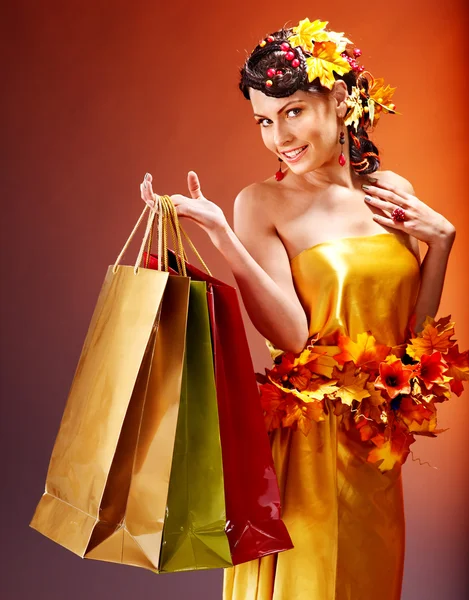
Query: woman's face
(302, 129)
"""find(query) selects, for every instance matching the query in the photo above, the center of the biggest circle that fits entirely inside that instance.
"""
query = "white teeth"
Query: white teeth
(294, 153)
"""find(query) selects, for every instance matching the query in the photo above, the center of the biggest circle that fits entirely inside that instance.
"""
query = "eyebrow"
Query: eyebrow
(282, 109)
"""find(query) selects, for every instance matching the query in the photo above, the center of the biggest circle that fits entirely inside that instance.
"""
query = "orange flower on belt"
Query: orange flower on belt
(394, 378)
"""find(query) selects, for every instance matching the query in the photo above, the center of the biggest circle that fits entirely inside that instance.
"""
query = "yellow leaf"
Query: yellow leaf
(324, 62)
(355, 106)
(318, 389)
(306, 33)
(380, 95)
(319, 359)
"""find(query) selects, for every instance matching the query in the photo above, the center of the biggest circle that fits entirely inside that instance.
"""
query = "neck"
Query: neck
(331, 173)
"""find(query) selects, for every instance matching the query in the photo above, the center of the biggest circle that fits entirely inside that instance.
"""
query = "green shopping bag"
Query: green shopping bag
(194, 530)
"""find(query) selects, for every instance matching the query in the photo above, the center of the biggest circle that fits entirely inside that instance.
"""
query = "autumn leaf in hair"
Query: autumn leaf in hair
(380, 97)
(307, 33)
(324, 62)
(355, 106)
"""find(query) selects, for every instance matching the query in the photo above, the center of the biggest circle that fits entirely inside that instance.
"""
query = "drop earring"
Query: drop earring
(342, 159)
(279, 175)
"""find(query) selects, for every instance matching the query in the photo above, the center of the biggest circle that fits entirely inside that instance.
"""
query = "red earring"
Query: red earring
(279, 175)
(342, 159)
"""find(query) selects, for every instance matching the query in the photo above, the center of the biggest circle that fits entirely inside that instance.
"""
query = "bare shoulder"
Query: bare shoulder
(400, 183)
(394, 179)
(255, 201)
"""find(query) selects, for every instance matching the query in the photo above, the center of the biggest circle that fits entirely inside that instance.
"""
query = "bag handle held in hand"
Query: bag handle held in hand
(170, 217)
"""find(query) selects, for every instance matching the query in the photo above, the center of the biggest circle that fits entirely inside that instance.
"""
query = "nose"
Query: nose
(282, 136)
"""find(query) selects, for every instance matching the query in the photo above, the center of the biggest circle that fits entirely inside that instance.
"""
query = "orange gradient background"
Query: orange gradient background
(97, 93)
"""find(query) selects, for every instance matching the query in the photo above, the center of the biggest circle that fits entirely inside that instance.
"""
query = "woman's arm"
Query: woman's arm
(256, 256)
(261, 267)
(422, 223)
(432, 277)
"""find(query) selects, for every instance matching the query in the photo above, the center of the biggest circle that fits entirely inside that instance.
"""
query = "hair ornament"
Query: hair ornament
(380, 99)
(324, 55)
(355, 108)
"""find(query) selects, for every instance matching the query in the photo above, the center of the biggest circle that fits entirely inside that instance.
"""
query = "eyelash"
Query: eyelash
(289, 110)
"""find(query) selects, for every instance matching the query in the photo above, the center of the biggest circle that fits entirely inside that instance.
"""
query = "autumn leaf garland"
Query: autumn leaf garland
(389, 394)
(326, 54)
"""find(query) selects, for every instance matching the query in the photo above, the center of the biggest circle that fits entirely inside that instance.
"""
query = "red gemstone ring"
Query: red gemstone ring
(398, 214)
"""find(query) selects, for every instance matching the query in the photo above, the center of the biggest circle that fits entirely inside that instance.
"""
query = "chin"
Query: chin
(302, 169)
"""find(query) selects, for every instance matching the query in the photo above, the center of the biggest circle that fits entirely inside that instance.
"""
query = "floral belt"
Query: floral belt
(388, 393)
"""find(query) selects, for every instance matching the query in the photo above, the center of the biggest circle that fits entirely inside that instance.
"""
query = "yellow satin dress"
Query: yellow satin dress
(345, 517)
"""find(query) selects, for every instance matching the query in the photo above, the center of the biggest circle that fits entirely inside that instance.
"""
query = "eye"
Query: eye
(266, 122)
(298, 110)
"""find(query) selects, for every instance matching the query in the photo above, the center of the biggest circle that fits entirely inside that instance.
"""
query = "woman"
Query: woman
(314, 256)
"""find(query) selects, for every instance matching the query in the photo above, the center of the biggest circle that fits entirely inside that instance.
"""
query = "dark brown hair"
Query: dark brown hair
(364, 155)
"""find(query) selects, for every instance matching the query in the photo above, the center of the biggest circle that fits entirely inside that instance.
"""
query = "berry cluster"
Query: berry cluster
(352, 60)
(290, 55)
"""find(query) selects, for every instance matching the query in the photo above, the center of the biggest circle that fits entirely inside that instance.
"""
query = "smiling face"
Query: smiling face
(302, 129)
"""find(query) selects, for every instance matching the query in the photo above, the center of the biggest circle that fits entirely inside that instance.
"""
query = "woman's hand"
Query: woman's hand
(197, 208)
(421, 221)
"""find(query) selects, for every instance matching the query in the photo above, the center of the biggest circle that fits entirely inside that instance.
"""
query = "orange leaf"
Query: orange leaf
(365, 352)
(458, 368)
(351, 385)
(417, 417)
(376, 398)
(392, 452)
(303, 414)
(435, 335)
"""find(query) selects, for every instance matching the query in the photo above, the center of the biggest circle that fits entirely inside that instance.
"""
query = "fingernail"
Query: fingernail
(147, 175)
(372, 180)
(145, 183)
(368, 198)
(365, 187)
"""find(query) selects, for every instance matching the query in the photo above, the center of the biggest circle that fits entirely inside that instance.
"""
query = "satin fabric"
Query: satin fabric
(345, 517)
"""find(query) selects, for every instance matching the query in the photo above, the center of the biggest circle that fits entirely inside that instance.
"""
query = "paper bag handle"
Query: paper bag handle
(170, 217)
(142, 245)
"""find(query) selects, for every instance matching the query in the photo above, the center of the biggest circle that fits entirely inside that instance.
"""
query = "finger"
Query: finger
(194, 185)
(388, 222)
(383, 185)
(381, 204)
(387, 194)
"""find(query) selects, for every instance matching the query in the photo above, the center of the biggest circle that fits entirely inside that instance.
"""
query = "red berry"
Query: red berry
(270, 72)
(295, 63)
(357, 52)
(290, 55)
(270, 39)
(285, 46)
(279, 72)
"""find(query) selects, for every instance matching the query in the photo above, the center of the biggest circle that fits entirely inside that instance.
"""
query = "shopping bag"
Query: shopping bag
(194, 531)
(108, 478)
(254, 526)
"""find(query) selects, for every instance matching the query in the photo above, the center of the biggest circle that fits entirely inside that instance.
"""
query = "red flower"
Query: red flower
(393, 378)
(431, 369)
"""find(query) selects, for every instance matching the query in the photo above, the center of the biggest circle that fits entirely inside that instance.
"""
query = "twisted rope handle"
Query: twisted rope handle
(142, 245)
(167, 216)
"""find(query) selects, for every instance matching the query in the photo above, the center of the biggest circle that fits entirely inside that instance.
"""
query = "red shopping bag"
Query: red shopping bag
(254, 525)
